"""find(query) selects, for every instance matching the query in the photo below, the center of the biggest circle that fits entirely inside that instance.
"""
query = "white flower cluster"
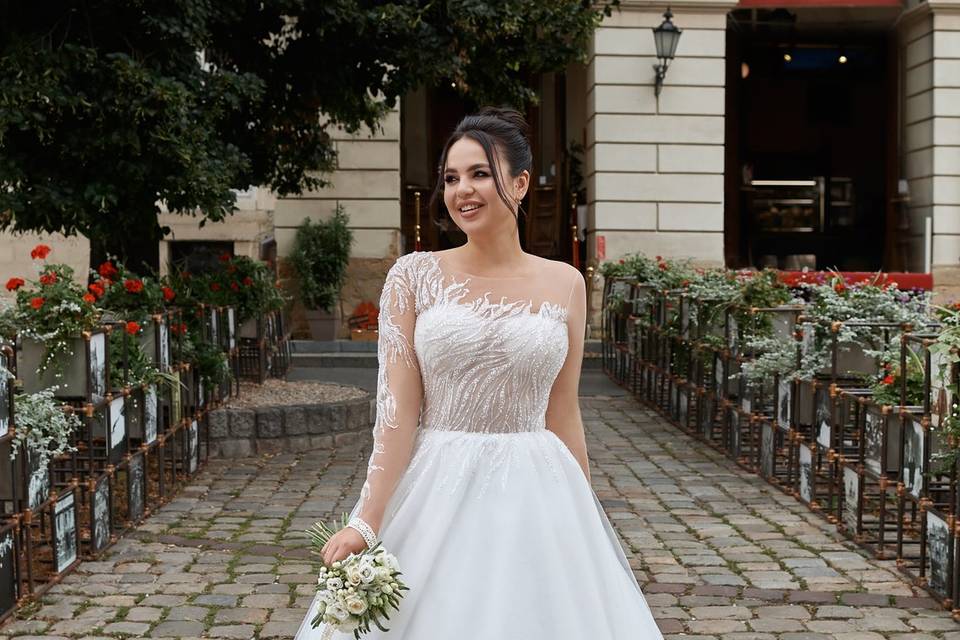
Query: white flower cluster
(358, 590)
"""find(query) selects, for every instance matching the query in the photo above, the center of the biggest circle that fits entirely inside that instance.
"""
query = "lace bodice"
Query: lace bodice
(462, 352)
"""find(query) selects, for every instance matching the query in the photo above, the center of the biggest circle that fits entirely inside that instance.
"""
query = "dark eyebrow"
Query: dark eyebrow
(483, 165)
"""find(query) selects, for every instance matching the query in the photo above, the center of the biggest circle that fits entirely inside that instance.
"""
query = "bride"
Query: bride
(479, 480)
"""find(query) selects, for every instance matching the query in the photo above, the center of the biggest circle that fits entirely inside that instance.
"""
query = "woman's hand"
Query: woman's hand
(342, 544)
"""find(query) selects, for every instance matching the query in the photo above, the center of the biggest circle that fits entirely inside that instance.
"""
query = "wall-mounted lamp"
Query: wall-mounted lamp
(666, 37)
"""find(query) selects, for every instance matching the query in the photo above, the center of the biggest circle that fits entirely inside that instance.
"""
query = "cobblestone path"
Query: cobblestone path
(721, 554)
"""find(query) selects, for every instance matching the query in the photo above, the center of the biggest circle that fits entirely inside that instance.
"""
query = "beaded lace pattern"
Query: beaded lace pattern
(484, 362)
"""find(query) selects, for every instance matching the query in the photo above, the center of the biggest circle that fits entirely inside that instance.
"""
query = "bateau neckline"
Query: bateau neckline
(446, 266)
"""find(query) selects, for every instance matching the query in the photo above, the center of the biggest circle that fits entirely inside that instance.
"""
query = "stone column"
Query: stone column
(655, 165)
(930, 55)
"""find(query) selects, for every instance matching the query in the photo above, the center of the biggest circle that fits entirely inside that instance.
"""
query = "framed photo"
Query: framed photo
(98, 366)
(851, 498)
(734, 418)
(8, 570)
(784, 396)
(201, 396)
(733, 334)
(213, 320)
(912, 474)
(873, 440)
(150, 414)
(118, 428)
(135, 488)
(38, 489)
(231, 328)
(194, 446)
(806, 473)
(65, 531)
(683, 407)
(940, 552)
(6, 384)
(706, 417)
(766, 449)
(824, 417)
(100, 515)
(164, 346)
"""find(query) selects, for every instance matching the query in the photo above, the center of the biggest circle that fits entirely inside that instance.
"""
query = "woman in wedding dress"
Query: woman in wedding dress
(479, 480)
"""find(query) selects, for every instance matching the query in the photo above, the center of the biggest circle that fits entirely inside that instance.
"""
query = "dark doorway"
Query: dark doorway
(808, 132)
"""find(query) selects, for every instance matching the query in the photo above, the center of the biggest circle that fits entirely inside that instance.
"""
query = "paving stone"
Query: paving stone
(144, 614)
(239, 631)
(241, 615)
(177, 629)
(127, 628)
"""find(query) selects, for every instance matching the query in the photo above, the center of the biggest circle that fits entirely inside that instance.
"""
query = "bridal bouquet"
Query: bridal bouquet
(357, 590)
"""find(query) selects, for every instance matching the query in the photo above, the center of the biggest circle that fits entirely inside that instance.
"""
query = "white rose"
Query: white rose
(367, 574)
(356, 605)
(390, 561)
(383, 574)
(333, 584)
(354, 575)
(338, 613)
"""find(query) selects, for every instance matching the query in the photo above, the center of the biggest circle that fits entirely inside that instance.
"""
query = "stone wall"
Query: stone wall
(15, 258)
(238, 432)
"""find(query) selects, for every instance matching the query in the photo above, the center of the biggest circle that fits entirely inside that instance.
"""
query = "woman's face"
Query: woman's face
(470, 192)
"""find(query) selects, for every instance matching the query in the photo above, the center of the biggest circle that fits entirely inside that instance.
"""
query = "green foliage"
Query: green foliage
(44, 427)
(106, 108)
(246, 284)
(321, 252)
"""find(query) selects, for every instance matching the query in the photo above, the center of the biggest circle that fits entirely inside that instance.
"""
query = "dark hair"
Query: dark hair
(494, 129)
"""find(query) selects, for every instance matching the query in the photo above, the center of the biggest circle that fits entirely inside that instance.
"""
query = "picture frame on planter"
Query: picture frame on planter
(913, 453)
(851, 499)
(767, 449)
(231, 328)
(193, 447)
(136, 488)
(164, 337)
(6, 396)
(38, 480)
(824, 417)
(805, 478)
(117, 442)
(873, 439)
(940, 553)
(784, 401)
(9, 570)
(213, 325)
(100, 512)
(150, 414)
(65, 539)
(98, 366)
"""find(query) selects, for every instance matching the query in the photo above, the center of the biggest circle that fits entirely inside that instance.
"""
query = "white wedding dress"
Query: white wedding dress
(497, 531)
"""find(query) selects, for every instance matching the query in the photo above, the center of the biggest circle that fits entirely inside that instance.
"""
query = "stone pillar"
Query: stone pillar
(930, 55)
(655, 165)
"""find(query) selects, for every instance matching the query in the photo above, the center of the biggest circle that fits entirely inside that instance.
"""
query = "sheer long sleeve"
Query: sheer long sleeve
(399, 393)
(563, 410)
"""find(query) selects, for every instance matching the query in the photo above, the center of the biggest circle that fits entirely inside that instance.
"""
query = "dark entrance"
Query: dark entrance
(811, 103)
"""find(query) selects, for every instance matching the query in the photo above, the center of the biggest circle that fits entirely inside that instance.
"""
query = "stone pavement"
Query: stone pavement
(722, 554)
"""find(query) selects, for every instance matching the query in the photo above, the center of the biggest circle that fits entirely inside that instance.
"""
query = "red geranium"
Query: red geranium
(96, 289)
(225, 257)
(168, 294)
(247, 281)
(839, 287)
(48, 278)
(888, 380)
(214, 286)
(132, 328)
(88, 297)
(235, 286)
(40, 252)
(107, 270)
(133, 286)
(37, 302)
(15, 283)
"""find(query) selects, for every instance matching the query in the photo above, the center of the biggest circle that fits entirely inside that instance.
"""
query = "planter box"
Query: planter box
(323, 324)
(76, 368)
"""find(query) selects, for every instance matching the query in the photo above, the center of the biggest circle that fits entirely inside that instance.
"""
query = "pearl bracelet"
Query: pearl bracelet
(364, 529)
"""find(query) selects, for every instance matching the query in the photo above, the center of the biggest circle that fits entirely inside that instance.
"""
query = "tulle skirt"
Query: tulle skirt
(500, 536)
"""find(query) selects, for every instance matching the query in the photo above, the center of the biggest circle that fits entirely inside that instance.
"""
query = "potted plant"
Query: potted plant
(51, 315)
(247, 285)
(321, 252)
